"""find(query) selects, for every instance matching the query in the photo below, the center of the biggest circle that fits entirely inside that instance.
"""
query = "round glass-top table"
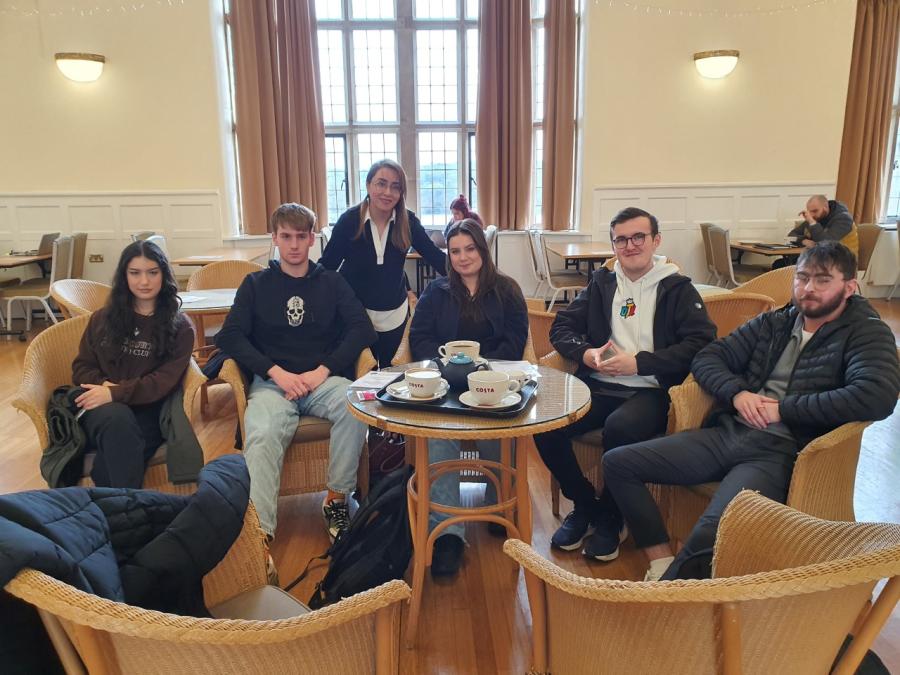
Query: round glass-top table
(560, 400)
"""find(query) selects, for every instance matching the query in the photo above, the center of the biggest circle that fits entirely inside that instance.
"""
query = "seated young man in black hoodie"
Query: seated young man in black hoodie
(633, 332)
(298, 328)
(780, 380)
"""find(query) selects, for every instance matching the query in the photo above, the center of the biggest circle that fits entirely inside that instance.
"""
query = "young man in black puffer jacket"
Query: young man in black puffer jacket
(780, 380)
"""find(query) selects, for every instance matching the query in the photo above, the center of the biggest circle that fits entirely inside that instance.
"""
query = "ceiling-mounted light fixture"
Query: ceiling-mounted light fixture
(80, 67)
(717, 63)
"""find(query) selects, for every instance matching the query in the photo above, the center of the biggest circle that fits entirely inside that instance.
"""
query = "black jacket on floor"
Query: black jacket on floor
(847, 372)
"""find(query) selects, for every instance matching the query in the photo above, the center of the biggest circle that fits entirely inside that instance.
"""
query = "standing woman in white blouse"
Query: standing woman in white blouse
(369, 244)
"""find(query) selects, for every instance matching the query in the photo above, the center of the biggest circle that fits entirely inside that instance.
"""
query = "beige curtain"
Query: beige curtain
(559, 113)
(280, 130)
(867, 116)
(503, 130)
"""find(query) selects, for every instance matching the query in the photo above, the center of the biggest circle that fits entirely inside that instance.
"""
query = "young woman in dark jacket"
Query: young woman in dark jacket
(133, 353)
(369, 244)
(474, 302)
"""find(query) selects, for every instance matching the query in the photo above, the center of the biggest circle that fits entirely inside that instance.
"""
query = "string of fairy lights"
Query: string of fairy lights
(714, 12)
(96, 10)
(690, 12)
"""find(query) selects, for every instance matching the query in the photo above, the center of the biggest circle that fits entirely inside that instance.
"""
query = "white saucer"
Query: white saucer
(508, 401)
(401, 390)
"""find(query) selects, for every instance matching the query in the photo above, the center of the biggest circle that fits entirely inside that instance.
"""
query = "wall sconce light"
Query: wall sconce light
(80, 67)
(717, 63)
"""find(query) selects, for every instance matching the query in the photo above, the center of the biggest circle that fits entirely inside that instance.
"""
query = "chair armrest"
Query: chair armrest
(231, 374)
(824, 477)
(244, 566)
(193, 380)
(690, 406)
(560, 362)
(365, 362)
(31, 399)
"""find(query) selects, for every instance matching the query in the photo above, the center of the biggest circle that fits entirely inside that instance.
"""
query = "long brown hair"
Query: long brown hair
(488, 276)
(400, 236)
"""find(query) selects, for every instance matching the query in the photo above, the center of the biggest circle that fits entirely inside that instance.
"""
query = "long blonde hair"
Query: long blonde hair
(401, 236)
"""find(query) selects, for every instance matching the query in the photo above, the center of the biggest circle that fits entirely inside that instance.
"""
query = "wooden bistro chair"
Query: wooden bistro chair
(48, 364)
(258, 629)
(559, 281)
(38, 289)
(305, 466)
(77, 297)
(787, 589)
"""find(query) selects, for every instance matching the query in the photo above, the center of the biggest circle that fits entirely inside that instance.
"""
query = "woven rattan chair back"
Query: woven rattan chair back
(222, 274)
(730, 310)
(777, 284)
(788, 589)
(92, 634)
(77, 297)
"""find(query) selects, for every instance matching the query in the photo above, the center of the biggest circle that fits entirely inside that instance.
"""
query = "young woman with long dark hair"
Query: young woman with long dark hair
(369, 244)
(474, 302)
(133, 354)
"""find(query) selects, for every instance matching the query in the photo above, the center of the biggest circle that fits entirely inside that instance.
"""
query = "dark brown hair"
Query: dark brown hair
(488, 276)
(295, 216)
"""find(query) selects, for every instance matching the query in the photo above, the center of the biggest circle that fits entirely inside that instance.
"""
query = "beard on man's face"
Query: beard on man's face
(816, 305)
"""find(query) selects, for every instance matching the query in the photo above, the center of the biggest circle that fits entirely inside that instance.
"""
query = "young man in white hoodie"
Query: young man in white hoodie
(633, 332)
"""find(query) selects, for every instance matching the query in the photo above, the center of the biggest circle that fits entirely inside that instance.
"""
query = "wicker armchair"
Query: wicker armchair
(77, 297)
(730, 310)
(305, 466)
(539, 323)
(222, 274)
(588, 447)
(48, 364)
(777, 284)
(357, 635)
(788, 589)
(822, 483)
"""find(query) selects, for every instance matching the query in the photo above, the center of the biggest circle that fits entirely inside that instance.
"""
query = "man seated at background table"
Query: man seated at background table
(780, 380)
(297, 327)
(823, 220)
(633, 332)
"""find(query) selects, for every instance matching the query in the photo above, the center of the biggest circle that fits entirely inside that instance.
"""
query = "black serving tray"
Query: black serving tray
(450, 403)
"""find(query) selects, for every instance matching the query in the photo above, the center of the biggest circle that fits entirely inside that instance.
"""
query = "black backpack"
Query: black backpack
(375, 548)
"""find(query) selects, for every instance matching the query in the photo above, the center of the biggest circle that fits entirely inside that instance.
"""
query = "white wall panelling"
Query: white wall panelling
(750, 211)
(190, 220)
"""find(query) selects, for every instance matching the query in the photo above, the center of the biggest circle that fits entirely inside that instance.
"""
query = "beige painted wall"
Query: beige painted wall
(649, 118)
(151, 122)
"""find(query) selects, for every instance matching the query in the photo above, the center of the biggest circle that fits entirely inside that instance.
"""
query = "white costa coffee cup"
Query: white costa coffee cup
(468, 347)
(422, 382)
(490, 386)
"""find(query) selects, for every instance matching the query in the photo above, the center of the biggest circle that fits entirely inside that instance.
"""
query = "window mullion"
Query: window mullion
(407, 99)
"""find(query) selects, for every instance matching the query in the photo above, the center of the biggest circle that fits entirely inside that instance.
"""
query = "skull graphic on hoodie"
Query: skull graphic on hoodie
(295, 310)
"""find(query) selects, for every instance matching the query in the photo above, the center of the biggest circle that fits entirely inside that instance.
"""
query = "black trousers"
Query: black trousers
(738, 456)
(386, 345)
(626, 414)
(125, 438)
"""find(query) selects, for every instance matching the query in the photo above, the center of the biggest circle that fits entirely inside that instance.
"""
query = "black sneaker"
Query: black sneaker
(603, 545)
(337, 517)
(572, 532)
(447, 555)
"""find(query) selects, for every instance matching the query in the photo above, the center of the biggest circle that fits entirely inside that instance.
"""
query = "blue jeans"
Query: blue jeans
(445, 490)
(271, 421)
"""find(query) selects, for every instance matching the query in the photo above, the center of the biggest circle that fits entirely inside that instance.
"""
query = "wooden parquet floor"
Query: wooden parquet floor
(477, 623)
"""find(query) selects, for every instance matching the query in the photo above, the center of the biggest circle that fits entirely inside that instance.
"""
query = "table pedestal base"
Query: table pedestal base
(508, 504)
